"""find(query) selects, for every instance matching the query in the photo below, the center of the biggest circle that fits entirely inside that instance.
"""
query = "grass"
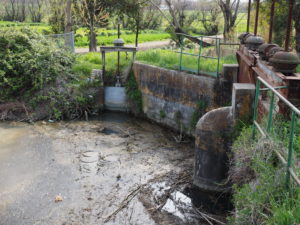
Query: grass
(87, 62)
(261, 196)
(170, 60)
(108, 38)
(298, 69)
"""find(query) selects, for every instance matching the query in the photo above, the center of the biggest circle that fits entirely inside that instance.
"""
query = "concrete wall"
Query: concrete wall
(167, 92)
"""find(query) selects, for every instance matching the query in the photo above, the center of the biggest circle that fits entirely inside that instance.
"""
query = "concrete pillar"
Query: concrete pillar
(230, 72)
(212, 135)
(242, 101)
(224, 84)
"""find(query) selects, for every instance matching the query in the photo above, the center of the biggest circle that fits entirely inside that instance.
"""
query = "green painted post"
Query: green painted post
(291, 148)
(200, 52)
(255, 107)
(271, 112)
(181, 51)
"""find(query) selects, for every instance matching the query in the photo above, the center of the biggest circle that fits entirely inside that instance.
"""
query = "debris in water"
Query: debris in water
(58, 198)
(179, 205)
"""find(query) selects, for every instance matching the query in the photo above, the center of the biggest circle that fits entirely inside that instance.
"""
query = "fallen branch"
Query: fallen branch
(209, 218)
(124, 203)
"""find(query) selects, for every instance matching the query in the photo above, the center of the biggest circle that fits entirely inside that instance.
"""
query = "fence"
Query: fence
(63, 40)
(285, 129)
(203, 53)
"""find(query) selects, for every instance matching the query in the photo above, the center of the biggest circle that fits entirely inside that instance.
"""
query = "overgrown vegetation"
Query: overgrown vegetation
(200, 110)
(134, 95)
(37, 74)
(260, 195)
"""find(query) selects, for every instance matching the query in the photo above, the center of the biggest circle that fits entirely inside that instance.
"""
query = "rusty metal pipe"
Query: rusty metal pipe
(289, 24)
(256, 17)
(271, 21)
(248, 19)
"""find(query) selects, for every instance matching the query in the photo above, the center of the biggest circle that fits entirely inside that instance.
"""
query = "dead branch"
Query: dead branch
(125, 202)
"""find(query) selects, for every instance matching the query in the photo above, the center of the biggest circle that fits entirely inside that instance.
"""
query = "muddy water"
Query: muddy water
(112, 170)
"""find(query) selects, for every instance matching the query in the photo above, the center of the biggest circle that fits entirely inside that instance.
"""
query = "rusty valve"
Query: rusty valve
(264, 48)
(253, 42)
(119, 42)
(285, 62)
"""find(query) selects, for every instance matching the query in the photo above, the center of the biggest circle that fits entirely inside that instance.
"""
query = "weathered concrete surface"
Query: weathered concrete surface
(242, 101)
(168, 92)
(94, 166)
(212, 146)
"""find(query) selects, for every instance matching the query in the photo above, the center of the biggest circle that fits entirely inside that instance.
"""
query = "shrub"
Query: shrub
(29, 62)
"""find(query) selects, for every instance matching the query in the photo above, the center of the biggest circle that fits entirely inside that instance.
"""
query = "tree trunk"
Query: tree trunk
(93, 41)
(297, 26)
(68, 27)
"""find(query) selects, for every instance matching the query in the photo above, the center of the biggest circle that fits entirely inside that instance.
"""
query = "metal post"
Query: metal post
(219, 54)
(289, 24)
(249, 11)
(271, 112)
(181, 51)
(291, 145)
(103, 64)
(256, 16)
(200, 52)
(271, 21)
(255, 108)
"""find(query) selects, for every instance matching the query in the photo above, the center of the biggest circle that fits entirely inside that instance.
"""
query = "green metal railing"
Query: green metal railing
(216, 44)
(266, 132)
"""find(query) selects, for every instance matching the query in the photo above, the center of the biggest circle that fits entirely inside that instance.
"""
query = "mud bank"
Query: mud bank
(112, 170)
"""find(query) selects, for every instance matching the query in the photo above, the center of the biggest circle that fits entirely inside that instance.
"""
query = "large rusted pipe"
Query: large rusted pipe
(271, 21)
(256, 17)
(248, 19)
(289, 24)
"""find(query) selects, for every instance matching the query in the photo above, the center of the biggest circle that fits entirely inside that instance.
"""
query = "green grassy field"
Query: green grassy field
(105, 36)
(170, 60)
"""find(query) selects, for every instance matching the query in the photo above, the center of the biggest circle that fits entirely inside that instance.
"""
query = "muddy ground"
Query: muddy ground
(113, 170)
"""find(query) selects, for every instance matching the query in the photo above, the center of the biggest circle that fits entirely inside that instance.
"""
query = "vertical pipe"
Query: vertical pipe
(271, 112)
(219, 54)
(249, 11)
(255, 108)
(291, 145)
(200, 54)
(271, 21)
(180, 62)
(289, 24)
(256, 17)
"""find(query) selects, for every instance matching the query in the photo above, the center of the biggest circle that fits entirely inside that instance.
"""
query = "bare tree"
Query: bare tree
(92, 14)
(68, 27)
(35, 10)
(209, 15)
(229, 9)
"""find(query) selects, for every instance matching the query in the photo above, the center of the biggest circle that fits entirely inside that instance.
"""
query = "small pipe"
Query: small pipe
(256, 17)
(289, 24)
(271, 21)
(249, 11)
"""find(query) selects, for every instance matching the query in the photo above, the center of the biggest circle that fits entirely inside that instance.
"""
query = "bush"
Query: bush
(29, 62)
(36, 72)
